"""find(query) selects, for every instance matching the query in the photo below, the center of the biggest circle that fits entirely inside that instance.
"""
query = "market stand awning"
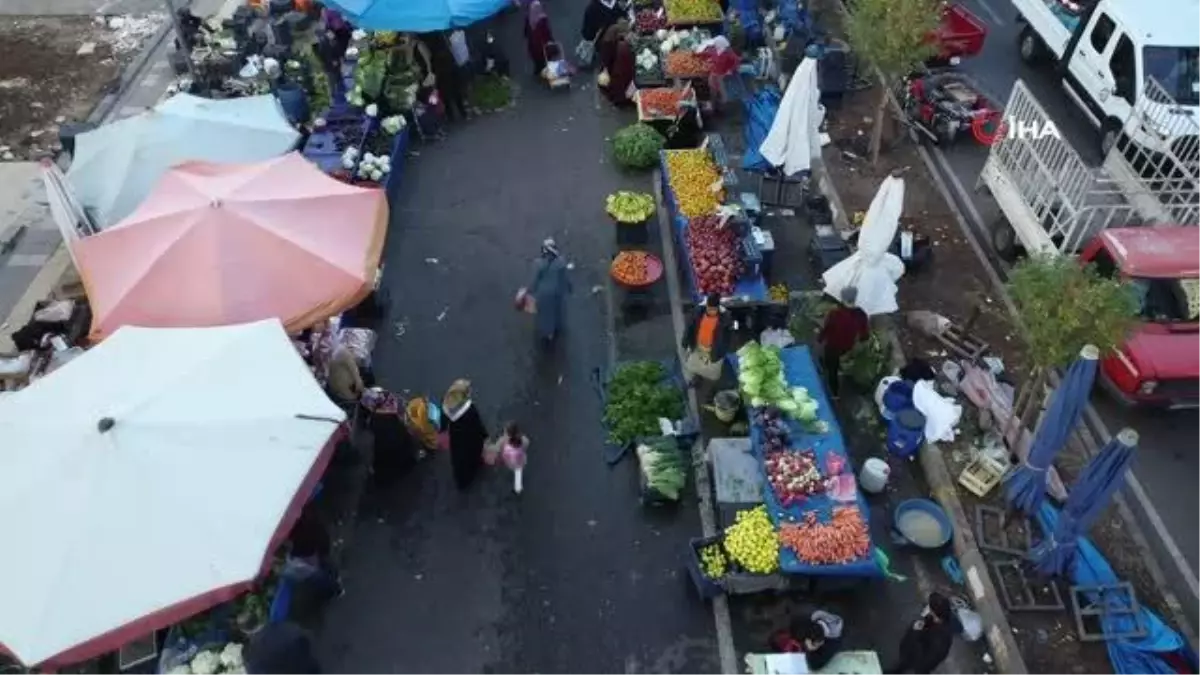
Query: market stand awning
(219, 244)
(117, 165)
(416, 16)
(150, 479)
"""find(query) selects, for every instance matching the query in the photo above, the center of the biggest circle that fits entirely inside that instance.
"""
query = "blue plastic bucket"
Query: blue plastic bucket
(294, 102)
(906, 432)
(933, 511)
(898, 396)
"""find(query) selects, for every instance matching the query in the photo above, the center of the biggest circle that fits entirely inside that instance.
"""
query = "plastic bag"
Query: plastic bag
(969, 619)
(941, 414)
(585, 52)
(603, 78)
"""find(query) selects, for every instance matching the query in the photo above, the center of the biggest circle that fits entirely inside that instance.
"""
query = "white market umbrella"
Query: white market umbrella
(794, 140)
(150, 479)
(116, 165)
(871, 269)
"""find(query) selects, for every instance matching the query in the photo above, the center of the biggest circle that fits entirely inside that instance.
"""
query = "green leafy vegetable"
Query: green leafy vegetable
(663, 467)
(637, 146)
(638, 394)
(490, 92)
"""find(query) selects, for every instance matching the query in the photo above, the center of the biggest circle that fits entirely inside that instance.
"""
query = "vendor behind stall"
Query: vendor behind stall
(844, 327)
(706, 341)
(818, 636)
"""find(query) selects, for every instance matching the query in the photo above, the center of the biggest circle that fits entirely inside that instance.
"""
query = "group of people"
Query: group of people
(603, 45)
(923, 647)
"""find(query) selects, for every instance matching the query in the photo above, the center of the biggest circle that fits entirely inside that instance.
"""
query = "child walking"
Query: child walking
(513, 445)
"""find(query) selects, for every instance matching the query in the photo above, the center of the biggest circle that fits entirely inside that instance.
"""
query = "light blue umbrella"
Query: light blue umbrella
(1089, 495)
(416, 16)
(116, 165)
(1025, 488)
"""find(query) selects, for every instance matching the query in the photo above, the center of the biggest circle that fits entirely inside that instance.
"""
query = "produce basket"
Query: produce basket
(678, 461)
(324, 147)
(683, 64)
(688, 427)
(682, 13)
(650, 263)
(706, 587)
(653, 103)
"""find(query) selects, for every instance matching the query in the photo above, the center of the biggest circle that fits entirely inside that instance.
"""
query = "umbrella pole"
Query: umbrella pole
(180, 43)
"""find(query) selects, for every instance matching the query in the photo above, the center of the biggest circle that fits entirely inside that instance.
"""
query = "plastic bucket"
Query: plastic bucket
(294, 102)
(874, 475)
(898, 396)
(899, 524)
(906, 432)
(726, 405)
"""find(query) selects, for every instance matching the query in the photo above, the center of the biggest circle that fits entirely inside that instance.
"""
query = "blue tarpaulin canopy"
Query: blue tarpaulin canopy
(417, 16)
(1026, 488)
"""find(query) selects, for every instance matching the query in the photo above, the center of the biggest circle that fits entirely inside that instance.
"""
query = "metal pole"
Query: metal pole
(181, 43)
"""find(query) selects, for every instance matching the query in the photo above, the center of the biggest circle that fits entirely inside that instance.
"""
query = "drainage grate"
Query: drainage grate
(1022, 593)
(1091, 605)
(994, 531)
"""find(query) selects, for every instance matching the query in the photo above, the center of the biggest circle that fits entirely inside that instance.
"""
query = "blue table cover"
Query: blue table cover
(754, 288)
(800, 371)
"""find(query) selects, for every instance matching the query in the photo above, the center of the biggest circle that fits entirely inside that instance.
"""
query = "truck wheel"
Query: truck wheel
(1029, 45)
(1004, 240)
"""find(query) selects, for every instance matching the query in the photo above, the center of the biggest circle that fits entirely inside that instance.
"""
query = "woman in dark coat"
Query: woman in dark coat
(616, 58)
(598, 17)
(467, 433)
(450, 82)
(537, 35)
(395, 450)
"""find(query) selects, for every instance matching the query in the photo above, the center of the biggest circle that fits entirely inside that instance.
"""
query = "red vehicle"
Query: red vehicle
(960, 34)
(1159, 364)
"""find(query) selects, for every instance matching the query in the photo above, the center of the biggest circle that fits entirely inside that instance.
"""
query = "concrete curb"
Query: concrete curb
(1003, 647)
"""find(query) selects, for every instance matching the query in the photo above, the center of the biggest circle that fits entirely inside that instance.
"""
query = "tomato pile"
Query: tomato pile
(631, 268)
(714, 255)
(660, 102)
(686, 64)
(692, 175)
(844, 539)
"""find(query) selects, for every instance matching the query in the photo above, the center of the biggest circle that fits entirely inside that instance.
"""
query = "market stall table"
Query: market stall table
(801, 371)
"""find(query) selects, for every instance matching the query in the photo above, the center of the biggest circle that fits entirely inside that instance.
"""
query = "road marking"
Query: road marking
(992, 14)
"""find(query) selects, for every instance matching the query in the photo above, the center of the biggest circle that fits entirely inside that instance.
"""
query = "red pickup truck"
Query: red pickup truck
(1159, 365)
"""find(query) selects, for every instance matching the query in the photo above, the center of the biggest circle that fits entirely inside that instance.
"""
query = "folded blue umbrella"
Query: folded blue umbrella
(416, 16)
(1090, 494)
(1025, 489)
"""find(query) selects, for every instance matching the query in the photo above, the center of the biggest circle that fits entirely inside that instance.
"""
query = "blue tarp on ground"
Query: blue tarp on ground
(754, 288)
(416, 16)
(1138, 655)
(800, 371)
(760, 113)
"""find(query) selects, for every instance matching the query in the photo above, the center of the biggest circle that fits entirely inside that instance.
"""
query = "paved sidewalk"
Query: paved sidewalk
(24, 211)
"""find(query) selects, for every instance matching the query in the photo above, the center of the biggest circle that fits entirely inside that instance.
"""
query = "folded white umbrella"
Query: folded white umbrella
(871, 270)
(115, 166)
(794, 140)
(150, 479)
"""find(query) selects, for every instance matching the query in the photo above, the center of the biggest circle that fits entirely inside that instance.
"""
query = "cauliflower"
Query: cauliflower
(271, 66)
(352, 52)
(231, 657)
(369, 158)
(358, 35)
(661, 34)
(666, 46)
(376, 175)
(372, 110)
(352, 151)
(292, 64)
(393, 124)
(205, 663)
(347, 162)
(319, 123)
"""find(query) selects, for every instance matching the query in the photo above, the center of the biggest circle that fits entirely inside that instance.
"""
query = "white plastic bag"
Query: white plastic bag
(585, 52)
(941, 414)
(971, 622)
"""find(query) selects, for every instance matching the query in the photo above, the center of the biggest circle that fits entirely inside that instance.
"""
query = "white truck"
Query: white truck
(1108, 51)
(1132, 218)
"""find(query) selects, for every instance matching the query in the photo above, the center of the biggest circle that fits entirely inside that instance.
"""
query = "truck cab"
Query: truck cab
(1116, 57)
(1159, 365)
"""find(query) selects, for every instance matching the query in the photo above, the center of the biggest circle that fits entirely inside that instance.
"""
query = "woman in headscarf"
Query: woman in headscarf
(468, 435)
(537, 35)
(394, 450)
(549, 290)
(598, 17)
(617, 61)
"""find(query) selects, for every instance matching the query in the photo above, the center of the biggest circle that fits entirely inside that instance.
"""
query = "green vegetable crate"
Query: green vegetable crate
(620, 441)
(706, 588)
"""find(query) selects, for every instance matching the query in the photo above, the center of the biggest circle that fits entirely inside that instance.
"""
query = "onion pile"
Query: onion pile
(714, 255)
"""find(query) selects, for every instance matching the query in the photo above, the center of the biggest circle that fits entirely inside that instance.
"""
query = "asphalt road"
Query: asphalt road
(573, 575)
(1167, 463)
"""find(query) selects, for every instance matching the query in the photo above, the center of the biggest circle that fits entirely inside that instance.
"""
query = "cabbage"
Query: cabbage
(789, 406)
(757, 402)
(807, 411)
(748, 349)
(752, 361)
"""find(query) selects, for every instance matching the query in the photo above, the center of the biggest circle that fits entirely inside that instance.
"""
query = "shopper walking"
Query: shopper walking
(706, 341)
(927, 641)
(308, 561)
(599, 16)
(549, 290)
(844, 327)
(451, 85)
(618, 64)
(468, 435)
(537, 35)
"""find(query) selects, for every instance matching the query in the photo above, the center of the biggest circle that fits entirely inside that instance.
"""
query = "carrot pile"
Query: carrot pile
(631, 267)
(686, 64)
(844, 539)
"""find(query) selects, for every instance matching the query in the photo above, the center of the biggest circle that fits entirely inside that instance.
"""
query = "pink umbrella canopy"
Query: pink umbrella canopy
(221, 244)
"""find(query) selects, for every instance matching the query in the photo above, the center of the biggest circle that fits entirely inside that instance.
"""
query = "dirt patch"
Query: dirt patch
(54, 69)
